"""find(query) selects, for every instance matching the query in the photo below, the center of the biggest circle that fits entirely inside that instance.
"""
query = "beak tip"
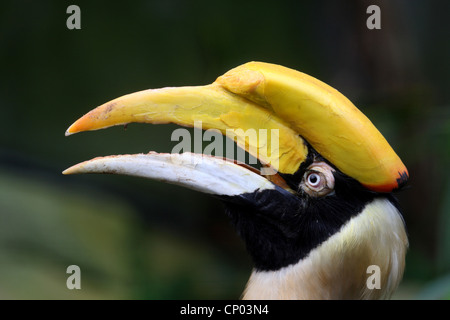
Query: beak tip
(71, 130)
(72, 170)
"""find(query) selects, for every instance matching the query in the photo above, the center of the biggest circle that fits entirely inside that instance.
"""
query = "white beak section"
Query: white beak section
(206, 174)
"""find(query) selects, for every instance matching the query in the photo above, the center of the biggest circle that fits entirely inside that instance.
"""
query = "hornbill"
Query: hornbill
(317, 215)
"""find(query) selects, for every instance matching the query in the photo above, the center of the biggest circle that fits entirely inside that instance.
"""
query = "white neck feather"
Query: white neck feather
(337, 269)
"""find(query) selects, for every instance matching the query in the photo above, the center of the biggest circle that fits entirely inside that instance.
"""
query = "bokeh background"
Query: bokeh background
(138, 239)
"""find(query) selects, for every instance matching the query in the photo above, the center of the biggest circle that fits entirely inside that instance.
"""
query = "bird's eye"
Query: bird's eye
(318, 180)
(314, 179)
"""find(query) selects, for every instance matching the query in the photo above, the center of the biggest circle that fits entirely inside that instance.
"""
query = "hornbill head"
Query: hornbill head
(319, 218)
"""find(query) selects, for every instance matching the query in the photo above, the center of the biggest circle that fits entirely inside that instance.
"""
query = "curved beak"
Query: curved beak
(206, 174)
(281, 107)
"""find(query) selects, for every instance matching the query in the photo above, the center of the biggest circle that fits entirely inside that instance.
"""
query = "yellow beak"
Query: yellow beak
(286, 103)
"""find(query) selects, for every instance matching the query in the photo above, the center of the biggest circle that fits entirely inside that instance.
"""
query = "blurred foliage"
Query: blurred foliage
(141, 239)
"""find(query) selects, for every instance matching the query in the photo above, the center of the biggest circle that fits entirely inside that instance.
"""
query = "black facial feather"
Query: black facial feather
(280, 228)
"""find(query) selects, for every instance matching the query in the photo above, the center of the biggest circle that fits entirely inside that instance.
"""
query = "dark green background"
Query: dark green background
(134, 238)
